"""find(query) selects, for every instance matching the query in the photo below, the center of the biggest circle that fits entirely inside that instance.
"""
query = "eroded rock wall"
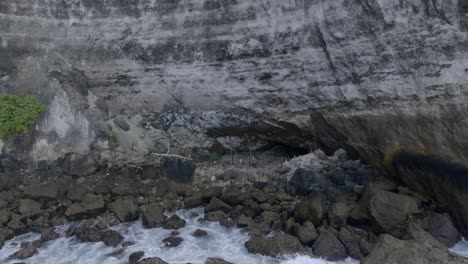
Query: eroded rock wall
(180, 75)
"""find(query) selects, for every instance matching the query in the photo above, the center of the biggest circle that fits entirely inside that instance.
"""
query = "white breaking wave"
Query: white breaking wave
(225, 243)
(461, 248)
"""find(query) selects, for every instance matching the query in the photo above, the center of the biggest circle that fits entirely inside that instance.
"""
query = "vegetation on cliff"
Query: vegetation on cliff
(18, 112)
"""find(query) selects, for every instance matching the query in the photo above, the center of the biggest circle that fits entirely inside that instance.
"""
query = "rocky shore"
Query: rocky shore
(318, 205)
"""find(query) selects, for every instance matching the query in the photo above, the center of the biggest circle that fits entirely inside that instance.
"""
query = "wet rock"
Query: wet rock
(48, 191)
(79, 164)
(244, 221)
(215, 216)
(384, 209)
(117, 254)
(85, 233)
(5, 234)
(351, 164)
(275, 245)
(153, 260)
(305, 181)
(235, 196)
(337, 176)
(310, 209)
(135, 256)
(27, 250)
(91, 206)
(307, 233)
(16, 224)
(112, 238)
(28, 208)
(216, 261)
(394, 251)
(126, 208)
(414, 231)
(172, 241)
(216, 204)
(199, 233)
(174, 222)
(48, 234)
(152, 215)
(328, 246)
(120, 122)
(351, 243)
(441, 228)
(195, 200)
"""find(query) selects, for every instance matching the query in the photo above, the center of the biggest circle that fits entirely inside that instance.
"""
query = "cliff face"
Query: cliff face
(130, 77)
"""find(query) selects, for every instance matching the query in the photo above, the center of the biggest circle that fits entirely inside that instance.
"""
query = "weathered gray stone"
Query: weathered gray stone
(49, 190)
(153, 215)
(216, 261)
(311, 208)
(91, 206)
(126, 208)
(390, 250)
(28, 208)
(275, 245)
(328, 246)
(307, 233)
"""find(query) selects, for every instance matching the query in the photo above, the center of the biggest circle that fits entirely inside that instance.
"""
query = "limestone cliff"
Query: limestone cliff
(132, 77)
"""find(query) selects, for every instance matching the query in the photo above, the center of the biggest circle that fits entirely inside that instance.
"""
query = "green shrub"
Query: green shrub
(18, 113)
(214, 156)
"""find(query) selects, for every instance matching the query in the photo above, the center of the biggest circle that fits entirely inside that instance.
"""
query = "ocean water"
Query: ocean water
(226, 243)
(461, 248)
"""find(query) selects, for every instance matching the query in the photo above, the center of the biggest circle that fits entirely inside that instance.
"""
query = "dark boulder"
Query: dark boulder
(174, 222)
(91, 206)
(172, 241)
(29, 208)
(135, 256)
(305, 181)
(47, 191)
(216, 261)
(215, 216)
(27, 250)
(216, 204)
(307, 233)
(328, 246)
(275, 245)
(351, 243)
(112, 238)
(153, 260)
(199, 233)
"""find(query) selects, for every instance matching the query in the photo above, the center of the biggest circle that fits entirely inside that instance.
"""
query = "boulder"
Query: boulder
(174, 222)
(351, 243)
(77, 192)
(216, 204)
(85, 233)
(135, 256)
(441, 228)
(27, 250)
(243, 221)
(91, 206)
(152, 215)
(312, 209)
(338, 214)
(126, 208)
(275, 245)
(112, 238)
(328, 246)
(307, 233)
(48, 234)
(390, 250)
(215, 216)
(153, 260)
(5, 234)
(383, 209)
(305, 181)
(48, 191)
(79, 164)
(199, 233)
(195, 200)
(28, 208)
(172, 241)
(216, 261)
